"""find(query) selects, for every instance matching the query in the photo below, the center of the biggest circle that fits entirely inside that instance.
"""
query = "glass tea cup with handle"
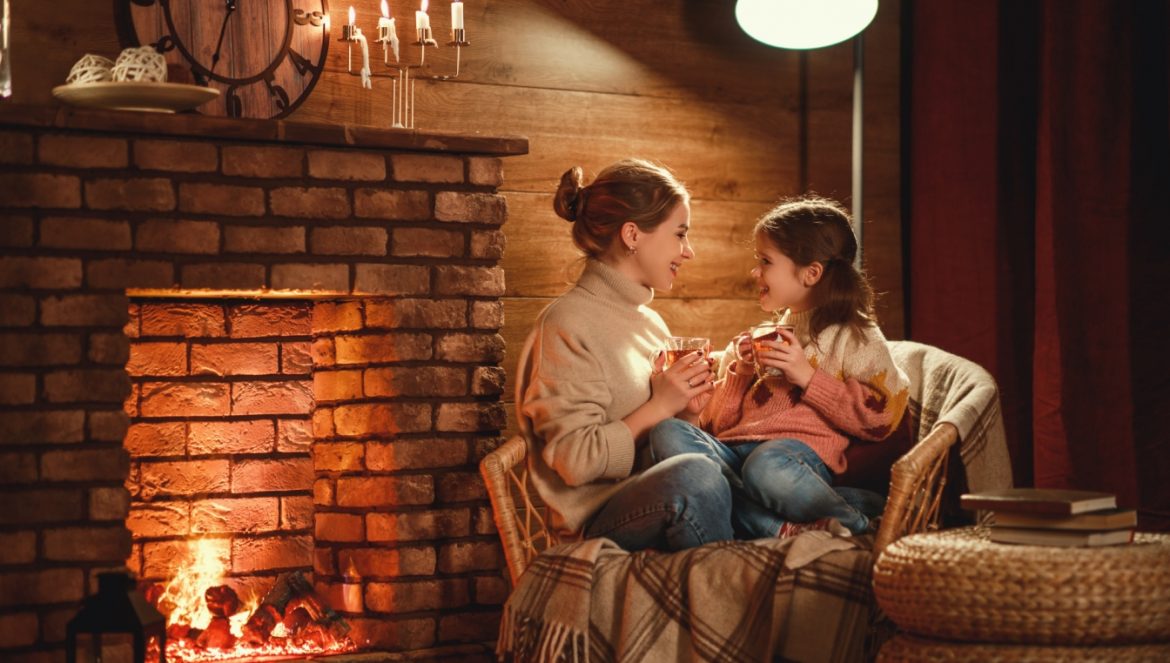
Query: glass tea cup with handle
(677, 347)
(759, 334)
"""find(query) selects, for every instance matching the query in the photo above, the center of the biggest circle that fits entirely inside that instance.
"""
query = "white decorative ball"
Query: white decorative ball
(141, 64)
(91, 69)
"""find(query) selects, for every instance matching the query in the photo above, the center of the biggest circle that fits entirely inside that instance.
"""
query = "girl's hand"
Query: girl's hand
(789, 358)
(680, 386)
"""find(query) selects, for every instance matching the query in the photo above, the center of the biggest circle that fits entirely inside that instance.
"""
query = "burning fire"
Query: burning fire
(207, 621)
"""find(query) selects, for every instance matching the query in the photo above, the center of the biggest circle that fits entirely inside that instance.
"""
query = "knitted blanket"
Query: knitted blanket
(806, 598)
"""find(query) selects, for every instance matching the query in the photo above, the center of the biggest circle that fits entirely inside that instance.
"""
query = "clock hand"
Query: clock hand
(231, 8)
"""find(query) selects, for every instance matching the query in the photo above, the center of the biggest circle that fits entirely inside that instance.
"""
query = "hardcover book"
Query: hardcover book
(1097, 520)
(1050, 501)
(1058, 537)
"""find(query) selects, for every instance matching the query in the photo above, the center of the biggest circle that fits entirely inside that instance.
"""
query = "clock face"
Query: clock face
(264, 56)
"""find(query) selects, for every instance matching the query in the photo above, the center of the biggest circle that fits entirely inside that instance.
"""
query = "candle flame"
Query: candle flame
(385, 9)
(352, 15)
(424, 6)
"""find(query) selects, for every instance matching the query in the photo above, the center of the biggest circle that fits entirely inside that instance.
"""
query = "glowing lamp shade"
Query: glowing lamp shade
(804, 24)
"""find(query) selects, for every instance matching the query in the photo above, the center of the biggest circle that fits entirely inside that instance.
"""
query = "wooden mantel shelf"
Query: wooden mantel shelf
(277, 131)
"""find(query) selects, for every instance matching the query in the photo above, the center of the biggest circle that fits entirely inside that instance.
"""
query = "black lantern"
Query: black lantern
(117, 608)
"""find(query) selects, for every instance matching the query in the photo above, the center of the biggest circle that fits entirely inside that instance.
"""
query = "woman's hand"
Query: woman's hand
(696, 405)
(788, 357)
(683, 385)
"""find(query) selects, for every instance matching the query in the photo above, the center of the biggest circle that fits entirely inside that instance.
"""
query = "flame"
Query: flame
(185, 590)
(351, 572)
(424, 6)
(385, 9)
(183, 600)
(352, 15)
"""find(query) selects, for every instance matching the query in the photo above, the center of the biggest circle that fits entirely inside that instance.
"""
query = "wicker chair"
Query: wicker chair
(916, 487)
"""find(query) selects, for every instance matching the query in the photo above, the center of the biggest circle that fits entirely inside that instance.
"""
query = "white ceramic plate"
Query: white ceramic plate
(134, 95)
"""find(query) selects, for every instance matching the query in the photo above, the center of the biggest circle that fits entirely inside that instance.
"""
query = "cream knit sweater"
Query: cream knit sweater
(585, 367)
(856, 391)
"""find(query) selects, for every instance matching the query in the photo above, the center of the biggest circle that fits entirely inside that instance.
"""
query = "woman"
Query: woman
(588, 392)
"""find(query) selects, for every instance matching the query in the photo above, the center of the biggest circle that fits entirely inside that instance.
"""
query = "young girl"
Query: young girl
(781, 440)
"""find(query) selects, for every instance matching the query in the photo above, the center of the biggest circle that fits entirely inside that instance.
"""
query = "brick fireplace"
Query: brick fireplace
(277, 337)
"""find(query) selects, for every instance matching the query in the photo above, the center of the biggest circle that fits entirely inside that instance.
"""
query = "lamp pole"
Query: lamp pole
(858, 135)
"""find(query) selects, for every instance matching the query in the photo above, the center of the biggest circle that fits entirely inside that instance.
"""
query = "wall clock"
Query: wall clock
(264, 56)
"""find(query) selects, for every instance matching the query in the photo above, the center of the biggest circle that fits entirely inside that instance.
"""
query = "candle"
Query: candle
(387, 31)
(422, 23)
(347, 29)
(457, 15)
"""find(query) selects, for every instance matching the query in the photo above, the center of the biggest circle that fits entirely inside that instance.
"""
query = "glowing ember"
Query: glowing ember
(207, 621)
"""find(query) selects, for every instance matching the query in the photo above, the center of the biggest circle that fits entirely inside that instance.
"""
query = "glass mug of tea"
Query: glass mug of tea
(677, 347)
(768, 331)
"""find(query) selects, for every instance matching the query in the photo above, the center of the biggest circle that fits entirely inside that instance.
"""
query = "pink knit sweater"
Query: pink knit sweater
(857, 391)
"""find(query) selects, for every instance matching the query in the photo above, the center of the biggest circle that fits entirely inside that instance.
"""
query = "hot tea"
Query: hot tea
(760, 334)
(678, 347)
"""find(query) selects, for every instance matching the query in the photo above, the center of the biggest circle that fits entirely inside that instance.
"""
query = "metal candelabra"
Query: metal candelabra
(402, 80)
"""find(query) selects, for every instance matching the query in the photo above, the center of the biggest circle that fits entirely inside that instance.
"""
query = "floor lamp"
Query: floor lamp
(809, 24)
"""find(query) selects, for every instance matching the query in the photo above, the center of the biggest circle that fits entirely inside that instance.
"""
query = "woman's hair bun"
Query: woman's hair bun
(569, 194)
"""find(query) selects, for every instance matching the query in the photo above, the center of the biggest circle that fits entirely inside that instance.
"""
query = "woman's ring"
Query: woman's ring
(689, 384)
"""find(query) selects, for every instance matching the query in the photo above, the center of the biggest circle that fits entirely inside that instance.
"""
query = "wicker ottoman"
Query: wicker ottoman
(956, 585)
(904, 648)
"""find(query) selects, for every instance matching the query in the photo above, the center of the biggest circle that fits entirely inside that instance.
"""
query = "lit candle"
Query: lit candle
(422, 23)
(347, 29)
(387, 31)
(457, 15)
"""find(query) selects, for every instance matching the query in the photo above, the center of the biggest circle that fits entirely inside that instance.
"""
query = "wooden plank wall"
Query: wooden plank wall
(592, 81)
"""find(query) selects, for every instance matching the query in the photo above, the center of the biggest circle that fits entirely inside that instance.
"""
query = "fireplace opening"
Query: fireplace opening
(221, 477)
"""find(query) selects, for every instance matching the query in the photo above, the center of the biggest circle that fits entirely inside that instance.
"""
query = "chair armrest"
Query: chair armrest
(498, 470)
(916, 487)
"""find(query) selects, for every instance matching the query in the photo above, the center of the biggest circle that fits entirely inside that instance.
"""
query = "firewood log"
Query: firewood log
(222, 601)
(294, 587)
(260, 624)
(295, 619)
(176, 632)
(217, 635)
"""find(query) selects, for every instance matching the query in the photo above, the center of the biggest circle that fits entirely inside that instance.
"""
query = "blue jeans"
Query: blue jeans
(680, 503)
(772, 482)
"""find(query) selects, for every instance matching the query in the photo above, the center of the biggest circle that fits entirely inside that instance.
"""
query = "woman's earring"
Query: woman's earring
(631, 250)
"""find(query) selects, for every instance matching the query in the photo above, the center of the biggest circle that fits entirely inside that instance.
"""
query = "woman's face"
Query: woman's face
(663, 251)
(780, 281)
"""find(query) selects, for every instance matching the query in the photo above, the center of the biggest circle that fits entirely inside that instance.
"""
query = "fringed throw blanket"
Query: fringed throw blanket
(732, 601)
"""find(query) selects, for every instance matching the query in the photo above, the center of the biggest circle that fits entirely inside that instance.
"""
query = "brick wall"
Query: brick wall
(327, 296)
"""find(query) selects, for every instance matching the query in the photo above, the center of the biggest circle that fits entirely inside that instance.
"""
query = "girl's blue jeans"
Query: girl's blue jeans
(771, 482)
(682, 502)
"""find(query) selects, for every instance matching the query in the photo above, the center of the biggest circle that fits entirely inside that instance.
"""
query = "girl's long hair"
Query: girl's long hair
(812, 229)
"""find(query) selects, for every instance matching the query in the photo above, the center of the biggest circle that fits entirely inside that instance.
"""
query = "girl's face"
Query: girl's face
(780, 281)
(663, 251)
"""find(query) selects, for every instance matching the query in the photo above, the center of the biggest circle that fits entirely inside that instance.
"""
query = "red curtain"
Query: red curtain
(1038, 168)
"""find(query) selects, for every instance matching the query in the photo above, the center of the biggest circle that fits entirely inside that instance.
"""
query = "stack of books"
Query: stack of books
(1051, 517)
